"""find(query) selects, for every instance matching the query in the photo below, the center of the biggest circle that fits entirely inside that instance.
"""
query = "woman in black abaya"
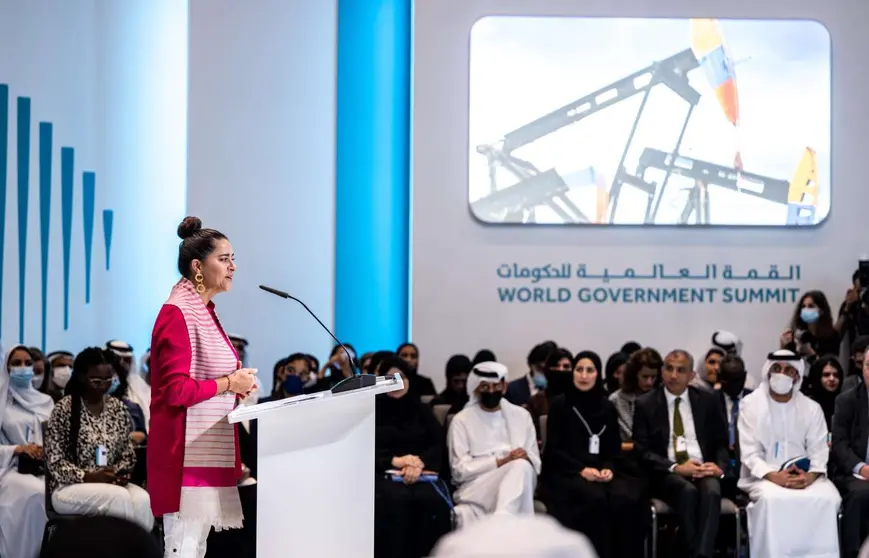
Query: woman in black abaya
(590, 490)
(410, 516)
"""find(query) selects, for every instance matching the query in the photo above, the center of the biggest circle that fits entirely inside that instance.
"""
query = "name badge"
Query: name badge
(681, 444)
(102, 456)
(594, 444)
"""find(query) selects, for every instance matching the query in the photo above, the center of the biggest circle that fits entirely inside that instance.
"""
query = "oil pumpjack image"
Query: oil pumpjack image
(531, 187)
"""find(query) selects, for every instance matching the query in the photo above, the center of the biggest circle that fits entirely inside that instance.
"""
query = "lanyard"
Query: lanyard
(587, 428)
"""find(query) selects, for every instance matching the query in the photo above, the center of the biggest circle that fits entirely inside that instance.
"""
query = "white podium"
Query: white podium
(315, 477)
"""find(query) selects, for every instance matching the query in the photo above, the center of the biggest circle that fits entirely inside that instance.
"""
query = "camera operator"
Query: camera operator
(811, 333)
(854, 312)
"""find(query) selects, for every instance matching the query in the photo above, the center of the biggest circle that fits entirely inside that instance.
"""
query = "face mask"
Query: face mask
(781, 384)
(21, 377)
(292, 385)
(312, 381)
(540, 381)
(61, 376)
(37, 381)
(115, 384)
(809, 315)
(490, 399)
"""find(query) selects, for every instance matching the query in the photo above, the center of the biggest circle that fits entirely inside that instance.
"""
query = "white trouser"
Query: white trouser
(184, 538)
(129, 502)
(507, 490)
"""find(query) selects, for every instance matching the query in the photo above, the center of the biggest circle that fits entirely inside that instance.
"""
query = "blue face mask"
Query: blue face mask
(21, 377)
(292, 385)
(540, 381)
(809, 315)
(116, 383)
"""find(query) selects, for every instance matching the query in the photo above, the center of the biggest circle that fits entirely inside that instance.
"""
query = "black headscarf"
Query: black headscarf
(590, 404)
(392, 410)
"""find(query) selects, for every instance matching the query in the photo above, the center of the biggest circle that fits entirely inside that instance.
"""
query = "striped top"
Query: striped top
(192, 449)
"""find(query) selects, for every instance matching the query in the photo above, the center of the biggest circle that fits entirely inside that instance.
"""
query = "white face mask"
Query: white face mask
(61, 376)
(37, 381)
(780, 384)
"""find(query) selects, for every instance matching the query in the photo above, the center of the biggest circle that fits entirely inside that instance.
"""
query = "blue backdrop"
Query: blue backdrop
(373, 173)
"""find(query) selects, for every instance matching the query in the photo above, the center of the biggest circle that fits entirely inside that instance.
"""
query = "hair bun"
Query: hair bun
(189, 226)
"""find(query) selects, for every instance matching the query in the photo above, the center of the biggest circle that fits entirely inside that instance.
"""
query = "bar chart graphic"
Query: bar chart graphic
(45, 152)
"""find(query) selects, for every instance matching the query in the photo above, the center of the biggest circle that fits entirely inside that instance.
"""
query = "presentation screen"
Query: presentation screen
(627, 121)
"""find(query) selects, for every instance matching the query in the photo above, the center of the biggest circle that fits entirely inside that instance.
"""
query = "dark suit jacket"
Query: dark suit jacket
(652, 429)
(733, 468)
(850, 431)
(518, 391)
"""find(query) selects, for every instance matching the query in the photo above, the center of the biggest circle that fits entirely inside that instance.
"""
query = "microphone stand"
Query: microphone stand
(354, 382)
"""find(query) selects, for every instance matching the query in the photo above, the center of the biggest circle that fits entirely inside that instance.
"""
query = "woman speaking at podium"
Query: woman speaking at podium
(196, 379)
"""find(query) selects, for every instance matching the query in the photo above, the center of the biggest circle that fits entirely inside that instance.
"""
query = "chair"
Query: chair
(543, 421)
(53, 518)
(659, 507)
(426, 399)
(440, 413)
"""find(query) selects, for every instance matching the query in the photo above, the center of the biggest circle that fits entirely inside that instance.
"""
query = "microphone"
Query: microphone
(357, 381)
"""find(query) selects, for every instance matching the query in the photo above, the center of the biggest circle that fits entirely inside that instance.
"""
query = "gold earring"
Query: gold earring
(200, 287)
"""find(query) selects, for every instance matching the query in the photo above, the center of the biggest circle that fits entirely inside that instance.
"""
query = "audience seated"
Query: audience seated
(614, 371)
(613, 439)
(409, 353)
(853, 313)
(338, 368)
(42, 374)
(723, 343)
(823, 384)
(138, 388)
(23, 409)
(456, 393)
(732, 391)
(681, 438)
(493, 450)
(289, 377)
(850, 463)
(812, 333)
(410, 516)
(855, 363)
(61, 369)
(587, 487)
(520, 390)
(120, 390)
(558, 372)
(642, 374)
(89, 453)
(783, 440)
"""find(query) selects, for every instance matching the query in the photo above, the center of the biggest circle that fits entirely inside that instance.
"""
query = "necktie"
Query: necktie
(734, 416)
(678, 432)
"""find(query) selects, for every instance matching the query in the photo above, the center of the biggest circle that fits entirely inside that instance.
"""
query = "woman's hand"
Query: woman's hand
(138, 437)
(606, 475)
(104, 475)
(411, 474)
(787, 337)
(590, 474)
(407, 461)
(31, 450)
(242, 381)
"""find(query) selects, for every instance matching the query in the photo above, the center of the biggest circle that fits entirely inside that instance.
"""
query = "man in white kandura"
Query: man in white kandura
(493, 450)
(783, 440)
